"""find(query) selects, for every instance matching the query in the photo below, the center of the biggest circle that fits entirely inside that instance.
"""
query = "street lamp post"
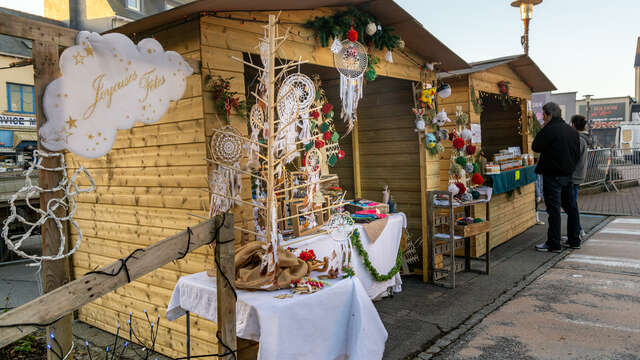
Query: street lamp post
(526, 14)
(587, 98)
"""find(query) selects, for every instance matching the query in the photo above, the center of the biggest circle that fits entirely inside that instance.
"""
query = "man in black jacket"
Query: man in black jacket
(559, 148)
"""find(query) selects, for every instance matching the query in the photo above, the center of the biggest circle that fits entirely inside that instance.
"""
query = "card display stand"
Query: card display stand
(442, 262)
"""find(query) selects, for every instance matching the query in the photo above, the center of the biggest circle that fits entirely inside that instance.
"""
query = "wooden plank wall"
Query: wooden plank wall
(146, 186)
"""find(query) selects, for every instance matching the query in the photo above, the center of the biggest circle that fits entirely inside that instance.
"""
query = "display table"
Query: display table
(512, 179)
(382, 253)
(337, 322)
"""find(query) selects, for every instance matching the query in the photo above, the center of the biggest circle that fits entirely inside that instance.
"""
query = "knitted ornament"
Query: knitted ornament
(477, 179)
(327, 136)
(477, 220)
(315, 114)
(468, 168)
(400, 44)
(319, 144)
(326, 108)
(430, 140)
(371, 28)
(439, 147)
(371, 74)
(466, 134)
(470, 149)
(324, 127)
(476, 168)
(332, 160)
(461, 173)
(461, 188)
(340, 154)
(453, 189)
(335, 137)
(352, 35)
(461, 160)
(308, 146)
(466, 197)
(475, 194)
(458, 143)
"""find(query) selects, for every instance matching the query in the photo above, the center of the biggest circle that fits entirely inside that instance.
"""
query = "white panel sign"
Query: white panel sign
(19, 121)
(109, 83)
(476, 134)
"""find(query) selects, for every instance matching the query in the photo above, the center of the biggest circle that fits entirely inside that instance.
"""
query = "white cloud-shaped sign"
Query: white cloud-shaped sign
(108, 83)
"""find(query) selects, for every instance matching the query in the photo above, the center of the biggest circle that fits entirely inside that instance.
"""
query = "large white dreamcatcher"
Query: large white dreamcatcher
(69, 189)
(226, 147)
(295, 96)
(351, 62)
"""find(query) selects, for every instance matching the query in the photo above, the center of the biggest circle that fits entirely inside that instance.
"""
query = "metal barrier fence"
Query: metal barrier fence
(610, 166)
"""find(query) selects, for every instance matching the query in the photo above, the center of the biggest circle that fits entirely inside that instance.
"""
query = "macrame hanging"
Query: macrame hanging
(295, 96)
(225, 182)
(351, 62)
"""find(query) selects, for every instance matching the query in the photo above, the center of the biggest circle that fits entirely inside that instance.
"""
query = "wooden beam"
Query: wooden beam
(355, 145)
(21, 27)
(70, 297)
(54, 273)
(225, 256)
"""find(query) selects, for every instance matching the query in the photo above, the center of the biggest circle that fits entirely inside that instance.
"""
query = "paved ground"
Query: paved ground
(422, 313)
(624, 202)
(586, 307)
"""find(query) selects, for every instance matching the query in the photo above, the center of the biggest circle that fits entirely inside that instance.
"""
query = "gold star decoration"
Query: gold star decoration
(90, 136)
(88, 50)
(71, 123)
(78, 58)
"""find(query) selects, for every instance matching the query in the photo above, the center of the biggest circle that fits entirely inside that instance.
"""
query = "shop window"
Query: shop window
(20, 98)
(133, 4)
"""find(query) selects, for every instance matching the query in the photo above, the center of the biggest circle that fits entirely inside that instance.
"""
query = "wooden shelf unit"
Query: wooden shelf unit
(445, 244)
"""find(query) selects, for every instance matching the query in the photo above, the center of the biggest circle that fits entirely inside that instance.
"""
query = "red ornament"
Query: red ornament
(471, 149)
(326, 108)
(461, 188)
(327, 136)
(315, 114)
(477, 179)
(340, 154)
(319, 144)
(458, 143)
(352, 35)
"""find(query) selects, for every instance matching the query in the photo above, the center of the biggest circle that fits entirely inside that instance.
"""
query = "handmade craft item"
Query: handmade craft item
(226, 148)
(419, 113)
(444, 90)
(351, 62)
(441, 118)
(340, 226)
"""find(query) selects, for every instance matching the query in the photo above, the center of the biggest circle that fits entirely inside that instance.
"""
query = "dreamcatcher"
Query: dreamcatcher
(256, 121)
(313, 165)
(351, 62)
(295, 97)
(226, 183)
(69, 189)
(340, 228)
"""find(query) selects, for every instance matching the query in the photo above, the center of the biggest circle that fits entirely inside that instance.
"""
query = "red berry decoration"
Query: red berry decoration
(326, 108)
(461, 188)
(477, 179)
(458, 143)
(352, 35)
(319, 144)
(327, 136)
(471, 149)
(315, 114)
(340, 154)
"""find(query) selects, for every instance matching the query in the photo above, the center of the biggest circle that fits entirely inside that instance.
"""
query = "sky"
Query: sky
(586, 46)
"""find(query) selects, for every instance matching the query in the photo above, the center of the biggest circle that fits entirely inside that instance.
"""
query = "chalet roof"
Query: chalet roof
(17, 47)
(522, 65)
(388, 12)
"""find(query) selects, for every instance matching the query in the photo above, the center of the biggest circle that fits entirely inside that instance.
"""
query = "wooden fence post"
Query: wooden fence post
(225, 258)
(54, 273)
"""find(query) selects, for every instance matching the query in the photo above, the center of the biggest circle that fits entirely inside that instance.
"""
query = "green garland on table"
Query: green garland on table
(355, 240)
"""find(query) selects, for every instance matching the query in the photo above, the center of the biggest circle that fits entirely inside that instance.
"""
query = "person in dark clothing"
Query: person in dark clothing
(559, 148)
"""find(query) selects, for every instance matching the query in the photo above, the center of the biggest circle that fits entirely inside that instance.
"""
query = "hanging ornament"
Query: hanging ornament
(461, 117)
(340, 154)
(466, 134)
(441, 118)
(430, 141)
(461, 188)
(351, 62)
(371, 74)
(468, 168)
(453, 189)
(400, 44)
(332, 160)
(419, 113)
(461, 160)
(470, 149)
(371, 28)
(319, 144)
(295, 96)
(389, 57)
(256, 117)
(444, 90)
(326, 136)
(426, 96)
(466, 197)
(475, 194)
(352, 35)
(442, 134)
(326, 108)
(335, 137)
(458, 143)
(476, 168)
(226, 148)
(336, 46)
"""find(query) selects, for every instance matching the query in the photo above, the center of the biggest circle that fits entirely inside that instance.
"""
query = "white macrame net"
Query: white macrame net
(351, 62)
(69, 189)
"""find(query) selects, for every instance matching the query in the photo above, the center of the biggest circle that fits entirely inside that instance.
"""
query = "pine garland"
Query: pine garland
(355, 240)
(340, 23)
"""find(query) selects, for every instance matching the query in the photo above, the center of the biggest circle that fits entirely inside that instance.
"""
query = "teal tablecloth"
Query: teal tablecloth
(512, 179)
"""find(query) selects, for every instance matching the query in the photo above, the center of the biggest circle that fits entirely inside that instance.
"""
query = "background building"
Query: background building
(607, 115)
(566, 101)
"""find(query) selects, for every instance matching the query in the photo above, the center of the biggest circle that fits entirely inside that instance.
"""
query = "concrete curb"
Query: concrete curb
(476, 318)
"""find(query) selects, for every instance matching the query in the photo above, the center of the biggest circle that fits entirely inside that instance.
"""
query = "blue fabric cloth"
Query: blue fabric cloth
(512, 179)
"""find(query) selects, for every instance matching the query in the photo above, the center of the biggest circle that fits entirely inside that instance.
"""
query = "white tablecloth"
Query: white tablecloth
(336, 323)
(382, 253)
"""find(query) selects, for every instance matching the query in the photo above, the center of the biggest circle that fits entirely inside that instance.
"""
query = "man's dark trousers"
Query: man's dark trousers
(558, 191)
